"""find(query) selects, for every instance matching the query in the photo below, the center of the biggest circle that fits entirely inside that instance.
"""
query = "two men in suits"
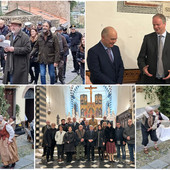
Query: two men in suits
(154, 56)
(104, 60)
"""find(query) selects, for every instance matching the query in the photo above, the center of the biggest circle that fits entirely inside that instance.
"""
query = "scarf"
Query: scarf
(150, 120)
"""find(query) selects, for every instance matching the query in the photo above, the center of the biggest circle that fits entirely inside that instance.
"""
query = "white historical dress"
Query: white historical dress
(162, 132)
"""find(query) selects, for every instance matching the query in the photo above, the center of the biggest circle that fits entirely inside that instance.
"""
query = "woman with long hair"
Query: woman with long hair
(34, 59)
(110, 141)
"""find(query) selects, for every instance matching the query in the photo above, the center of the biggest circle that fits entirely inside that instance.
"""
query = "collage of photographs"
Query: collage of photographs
(84, 84)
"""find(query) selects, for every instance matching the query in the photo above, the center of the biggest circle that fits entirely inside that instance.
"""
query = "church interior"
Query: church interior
(54, 103)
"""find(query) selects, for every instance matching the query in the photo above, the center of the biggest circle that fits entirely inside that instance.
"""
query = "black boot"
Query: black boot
(12, 166)
(5, 167)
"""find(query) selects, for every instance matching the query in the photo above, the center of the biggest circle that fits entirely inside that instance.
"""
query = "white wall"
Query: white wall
(124, 98)
(20, 100)
(57, 103)
(131, 28)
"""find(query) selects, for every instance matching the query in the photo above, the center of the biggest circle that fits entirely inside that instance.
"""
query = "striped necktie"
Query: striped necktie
(108, 50)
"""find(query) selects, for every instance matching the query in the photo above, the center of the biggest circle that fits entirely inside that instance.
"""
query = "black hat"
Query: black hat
(73, 27)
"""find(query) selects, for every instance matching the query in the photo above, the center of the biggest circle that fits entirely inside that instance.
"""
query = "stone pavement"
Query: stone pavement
(155, 159)
(26, 153)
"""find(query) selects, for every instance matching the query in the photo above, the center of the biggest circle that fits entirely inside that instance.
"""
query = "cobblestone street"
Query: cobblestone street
(155, 159)
(26, 153)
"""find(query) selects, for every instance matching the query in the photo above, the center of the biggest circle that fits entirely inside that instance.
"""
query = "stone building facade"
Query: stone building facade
(59, 8)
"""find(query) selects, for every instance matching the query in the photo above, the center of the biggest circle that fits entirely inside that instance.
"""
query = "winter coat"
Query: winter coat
(44, 129)
(130, 131)
(75, 40)
(63, 45)
(79, 135)
(69, 147)
(49, 137)
(4, 30)
(17, 62)
(100, 138)
(110, 134)
(119, 136)
(48, 51)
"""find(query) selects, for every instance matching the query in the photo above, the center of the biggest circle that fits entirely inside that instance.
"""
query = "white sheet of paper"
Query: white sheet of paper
(5, 43)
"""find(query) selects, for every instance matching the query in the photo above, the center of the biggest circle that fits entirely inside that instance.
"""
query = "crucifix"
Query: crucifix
(90, 88)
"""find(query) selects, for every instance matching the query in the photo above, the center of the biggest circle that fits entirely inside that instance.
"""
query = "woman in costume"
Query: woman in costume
(8, 147)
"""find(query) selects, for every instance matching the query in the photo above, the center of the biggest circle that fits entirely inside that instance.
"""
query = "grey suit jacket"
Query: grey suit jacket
(148, 56)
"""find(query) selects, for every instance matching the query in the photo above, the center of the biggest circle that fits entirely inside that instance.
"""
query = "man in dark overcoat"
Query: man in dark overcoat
(17, 61)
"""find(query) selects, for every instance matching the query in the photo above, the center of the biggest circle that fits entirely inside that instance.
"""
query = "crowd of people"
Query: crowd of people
(81, 139)
(151, 126)
(34, 47)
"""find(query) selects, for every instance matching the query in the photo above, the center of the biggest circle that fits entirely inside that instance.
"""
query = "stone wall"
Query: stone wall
(58, 8)
(31, 18)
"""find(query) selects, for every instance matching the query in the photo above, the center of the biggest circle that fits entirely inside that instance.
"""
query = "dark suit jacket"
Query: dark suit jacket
(101, 68)
(88, 136)
(148, 56)
(74, 128)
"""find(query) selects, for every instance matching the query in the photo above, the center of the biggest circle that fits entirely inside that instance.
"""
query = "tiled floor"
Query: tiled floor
(42, 163)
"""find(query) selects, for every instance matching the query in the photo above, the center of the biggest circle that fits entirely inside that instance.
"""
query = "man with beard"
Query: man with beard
(17, 62)
(48, 46)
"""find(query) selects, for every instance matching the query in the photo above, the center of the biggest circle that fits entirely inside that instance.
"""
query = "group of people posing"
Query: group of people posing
(83, 138)
(33, 48)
